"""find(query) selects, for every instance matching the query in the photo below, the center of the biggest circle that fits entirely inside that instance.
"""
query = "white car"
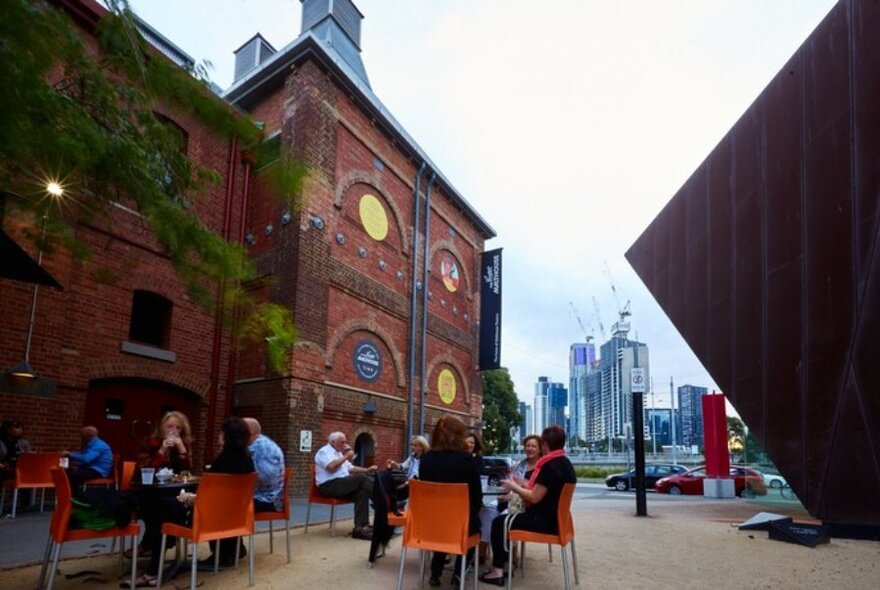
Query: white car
(773, 480)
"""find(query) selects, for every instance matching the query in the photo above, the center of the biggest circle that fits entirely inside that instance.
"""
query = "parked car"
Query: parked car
(497, 468)
(746, 482)
(774, 480)
(653, 472)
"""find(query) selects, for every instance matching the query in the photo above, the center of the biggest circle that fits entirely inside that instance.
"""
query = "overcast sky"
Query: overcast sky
(567, 124)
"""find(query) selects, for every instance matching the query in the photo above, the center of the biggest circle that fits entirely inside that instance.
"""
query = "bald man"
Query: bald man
(93, 461)
(269, 463)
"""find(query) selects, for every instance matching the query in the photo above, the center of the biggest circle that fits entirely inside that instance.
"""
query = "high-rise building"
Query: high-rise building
(691, 414)
(525, 426)
(581, 359)
(658, 425)
(557, 401)
(609, 390)
(541, 404)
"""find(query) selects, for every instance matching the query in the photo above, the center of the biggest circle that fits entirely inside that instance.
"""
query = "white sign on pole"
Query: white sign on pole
(305, 441)
(638, 380)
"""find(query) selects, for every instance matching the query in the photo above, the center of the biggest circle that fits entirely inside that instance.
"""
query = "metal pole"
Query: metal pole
(653, 419)
(672, 401)
(638, 423)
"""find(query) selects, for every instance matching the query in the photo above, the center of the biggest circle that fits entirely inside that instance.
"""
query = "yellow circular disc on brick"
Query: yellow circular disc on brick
(373, 217)
(446, 386)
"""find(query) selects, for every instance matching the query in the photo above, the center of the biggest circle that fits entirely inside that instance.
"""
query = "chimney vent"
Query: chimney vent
(251, 54)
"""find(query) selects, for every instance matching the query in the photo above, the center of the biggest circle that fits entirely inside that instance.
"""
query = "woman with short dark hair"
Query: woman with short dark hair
(540, 494)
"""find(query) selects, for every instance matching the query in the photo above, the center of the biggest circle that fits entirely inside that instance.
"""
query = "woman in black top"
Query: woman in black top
(449, 462)
(234, 458)
(541, 496)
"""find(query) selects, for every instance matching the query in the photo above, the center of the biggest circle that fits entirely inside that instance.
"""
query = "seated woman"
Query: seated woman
(171, 443)
(234, 458)
(521, 474)
(448, 461)
(410, 466)
(541, 495)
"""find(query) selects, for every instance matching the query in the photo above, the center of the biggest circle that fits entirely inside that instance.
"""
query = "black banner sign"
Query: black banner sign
(490, 310)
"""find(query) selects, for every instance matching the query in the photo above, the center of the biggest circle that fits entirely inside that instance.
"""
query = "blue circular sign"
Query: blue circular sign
(367, 361)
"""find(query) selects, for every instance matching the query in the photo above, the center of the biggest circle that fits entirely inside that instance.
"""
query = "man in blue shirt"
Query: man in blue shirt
(94, 460)
(269, 463)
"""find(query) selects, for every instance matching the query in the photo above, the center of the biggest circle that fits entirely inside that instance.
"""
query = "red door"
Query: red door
(125, 411)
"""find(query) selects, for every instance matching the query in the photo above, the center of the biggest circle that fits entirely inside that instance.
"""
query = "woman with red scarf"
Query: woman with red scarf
(541, 496)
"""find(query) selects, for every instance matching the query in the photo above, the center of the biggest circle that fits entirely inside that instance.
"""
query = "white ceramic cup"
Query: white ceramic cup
(147, 474)
(64, 463)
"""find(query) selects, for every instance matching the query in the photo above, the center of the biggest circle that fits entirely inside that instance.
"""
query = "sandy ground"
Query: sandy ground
(680, 545)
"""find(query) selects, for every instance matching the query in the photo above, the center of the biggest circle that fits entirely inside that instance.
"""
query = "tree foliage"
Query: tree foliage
(500, 410)
(86, 118)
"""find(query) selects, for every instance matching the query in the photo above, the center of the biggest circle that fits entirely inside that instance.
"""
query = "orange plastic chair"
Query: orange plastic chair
(315, 497)
(437, 519)
(565, 537)
(126, 474)
(31, 472)
(59, 533)
(110, 480)
(283, 514)
(224, 508)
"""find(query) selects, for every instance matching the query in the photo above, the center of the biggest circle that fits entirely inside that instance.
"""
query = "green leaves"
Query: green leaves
(500, 410)
(90, 118)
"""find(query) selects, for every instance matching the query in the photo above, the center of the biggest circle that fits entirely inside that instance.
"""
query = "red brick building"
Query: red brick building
(351, 265)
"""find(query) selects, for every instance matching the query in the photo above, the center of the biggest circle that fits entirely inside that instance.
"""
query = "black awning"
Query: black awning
(16, 264)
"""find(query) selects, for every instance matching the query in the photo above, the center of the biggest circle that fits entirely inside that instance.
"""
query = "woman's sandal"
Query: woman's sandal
(142, 553)
(142, 581)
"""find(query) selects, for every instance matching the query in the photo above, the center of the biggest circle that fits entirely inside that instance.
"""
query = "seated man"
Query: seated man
(269, 463)
(336, 477)
(94, 460)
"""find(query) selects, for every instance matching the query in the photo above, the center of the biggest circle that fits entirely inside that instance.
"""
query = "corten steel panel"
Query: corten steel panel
(697, 264)
(792, 222)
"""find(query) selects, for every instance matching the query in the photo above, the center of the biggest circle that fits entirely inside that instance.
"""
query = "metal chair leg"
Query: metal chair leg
(574, 559)
(308, 512)
(57, 554)
(567, 575)
(134, 558)
(195, 566)
(332, 520)
(217, 556)
(421, 569)
(14, 502)
(550, 553)
(46, 555)
(161, 561)
(271, 538)
(251, 560)
(400, 570)
(287, 535)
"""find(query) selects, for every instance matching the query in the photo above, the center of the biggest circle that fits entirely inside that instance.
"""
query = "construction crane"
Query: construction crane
(620, 327)
(624, 311)
(598, 318)
(587, 336)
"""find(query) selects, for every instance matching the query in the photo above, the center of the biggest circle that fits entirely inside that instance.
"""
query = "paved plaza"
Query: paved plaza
(685, 542)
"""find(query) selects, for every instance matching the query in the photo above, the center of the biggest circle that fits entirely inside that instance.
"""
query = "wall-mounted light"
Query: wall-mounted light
(340, 239)
(269, 229)
(316, 222)
(370, 408)
(250, 239)
(382, 265)
(399, 275)
(362, 252)
(286, 217)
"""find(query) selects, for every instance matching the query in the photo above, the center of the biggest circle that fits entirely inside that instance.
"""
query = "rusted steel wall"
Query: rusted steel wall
(768, 262)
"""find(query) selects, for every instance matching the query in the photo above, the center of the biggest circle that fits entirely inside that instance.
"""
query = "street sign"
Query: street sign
(638, 380)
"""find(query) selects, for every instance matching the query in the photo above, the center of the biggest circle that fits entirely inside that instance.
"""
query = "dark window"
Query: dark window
(150, 319)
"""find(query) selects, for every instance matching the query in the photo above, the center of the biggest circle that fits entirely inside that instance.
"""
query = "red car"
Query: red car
(746, 482)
